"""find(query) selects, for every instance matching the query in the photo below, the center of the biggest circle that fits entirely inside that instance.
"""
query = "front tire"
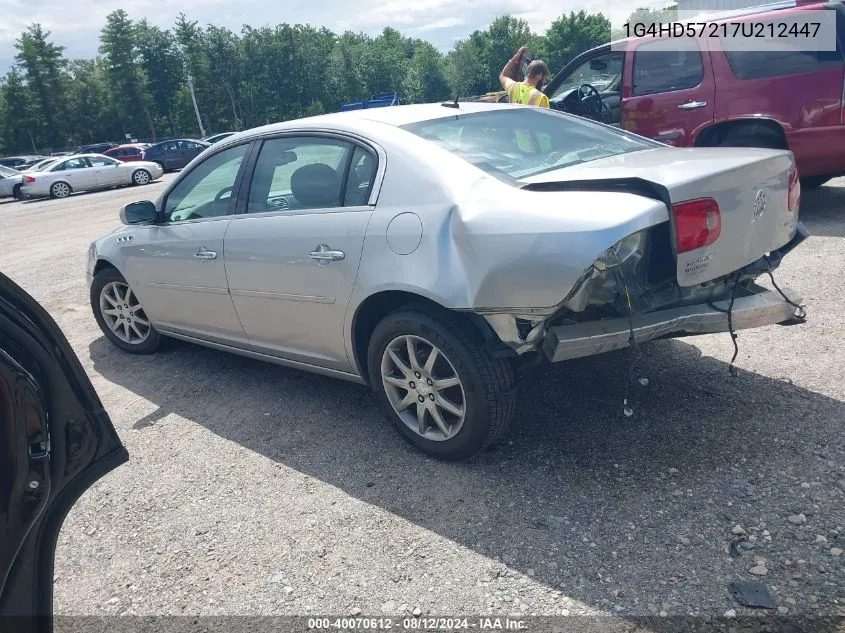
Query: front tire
(60, 190)
(141, 177)
(120, 315)
(442, 390)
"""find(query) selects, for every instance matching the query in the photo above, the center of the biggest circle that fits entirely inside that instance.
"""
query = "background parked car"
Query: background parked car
(692, 93)
(16, 161)
(126, 153)
(31, 162)
(214, 138)
(41, 165)
(86, 172)
(174, 154)
(10, 183)
(96, 148)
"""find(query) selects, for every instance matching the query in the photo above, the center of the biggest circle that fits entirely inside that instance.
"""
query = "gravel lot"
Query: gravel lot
(255, 489)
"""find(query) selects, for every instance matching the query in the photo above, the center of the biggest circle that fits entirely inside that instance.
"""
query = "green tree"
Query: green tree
(43, 66)
(425, 78)
(571, 35)
(160, 61)
(647, 16)
(88, 102)
(129, 97)
(19, 124)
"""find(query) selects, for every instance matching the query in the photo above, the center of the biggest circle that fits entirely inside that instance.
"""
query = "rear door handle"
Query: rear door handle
(204, 254)
(692, 105)
(325, 254)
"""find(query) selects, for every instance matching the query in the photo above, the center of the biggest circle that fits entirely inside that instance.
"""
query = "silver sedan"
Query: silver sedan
(86, 172)
(11, 181)
(434, 251)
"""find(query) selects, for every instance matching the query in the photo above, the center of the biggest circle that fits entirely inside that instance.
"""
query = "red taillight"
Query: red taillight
(794, 195)
(29, 179)
(698, 223)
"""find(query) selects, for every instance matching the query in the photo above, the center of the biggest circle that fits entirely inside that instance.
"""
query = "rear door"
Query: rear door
(56, 440)
(78, 173)
(669, 89)
(292, 257)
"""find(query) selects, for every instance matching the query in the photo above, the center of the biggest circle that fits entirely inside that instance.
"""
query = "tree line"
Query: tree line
(139, 83)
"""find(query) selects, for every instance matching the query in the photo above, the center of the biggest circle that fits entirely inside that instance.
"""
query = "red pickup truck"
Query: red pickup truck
(696, 92)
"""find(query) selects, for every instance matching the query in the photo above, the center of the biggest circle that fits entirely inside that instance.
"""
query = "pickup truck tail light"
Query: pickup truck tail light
(698, 223)
(29, 179)
(794, 195)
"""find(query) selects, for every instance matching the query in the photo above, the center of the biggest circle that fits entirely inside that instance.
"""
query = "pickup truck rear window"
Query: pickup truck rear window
(517, 142)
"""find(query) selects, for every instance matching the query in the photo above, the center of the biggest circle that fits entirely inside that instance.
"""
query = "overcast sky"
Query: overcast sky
(438, 21)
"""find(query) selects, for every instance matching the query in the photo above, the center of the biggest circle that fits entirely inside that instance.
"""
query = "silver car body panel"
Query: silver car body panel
(435, 227)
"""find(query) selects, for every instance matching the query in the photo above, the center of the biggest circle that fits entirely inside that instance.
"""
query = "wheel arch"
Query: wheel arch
(374, 308)
(753, 126)
(102, 264)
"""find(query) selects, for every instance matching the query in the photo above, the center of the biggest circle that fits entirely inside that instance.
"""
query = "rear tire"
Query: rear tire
(16, 192)
(453, 408)
(120, 314)
(60, 190)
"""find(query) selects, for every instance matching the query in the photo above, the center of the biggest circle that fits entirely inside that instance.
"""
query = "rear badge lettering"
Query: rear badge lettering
(698, 264)
(759, 204)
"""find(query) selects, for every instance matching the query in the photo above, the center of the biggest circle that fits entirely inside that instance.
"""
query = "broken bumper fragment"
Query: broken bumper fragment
(757, 307)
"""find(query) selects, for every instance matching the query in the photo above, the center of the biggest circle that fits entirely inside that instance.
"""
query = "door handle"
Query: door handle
(204, 254)
(325, 254)
(692, 105)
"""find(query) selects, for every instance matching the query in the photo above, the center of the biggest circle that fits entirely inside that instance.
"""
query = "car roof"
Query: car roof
(396, 116)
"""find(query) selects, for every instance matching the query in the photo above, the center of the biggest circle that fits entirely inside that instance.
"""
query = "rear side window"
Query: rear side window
(757, 64)
(667, 65)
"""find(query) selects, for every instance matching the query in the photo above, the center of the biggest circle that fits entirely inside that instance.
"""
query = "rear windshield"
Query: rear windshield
(523, 142)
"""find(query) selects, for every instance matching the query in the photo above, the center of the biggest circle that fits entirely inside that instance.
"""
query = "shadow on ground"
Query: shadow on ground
(823, 211)
(587, 500)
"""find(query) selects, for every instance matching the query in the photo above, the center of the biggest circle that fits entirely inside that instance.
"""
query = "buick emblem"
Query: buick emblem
(759, 204)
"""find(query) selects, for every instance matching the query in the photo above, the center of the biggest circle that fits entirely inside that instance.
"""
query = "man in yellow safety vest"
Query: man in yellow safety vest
(527, 91)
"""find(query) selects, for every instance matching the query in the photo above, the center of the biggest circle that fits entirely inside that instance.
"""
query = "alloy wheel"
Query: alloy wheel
(61, 190)
(423, 388)
(123, 313)
(141, 177)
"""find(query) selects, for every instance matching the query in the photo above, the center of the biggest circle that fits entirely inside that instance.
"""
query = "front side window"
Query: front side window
(206, 190)
(667, 65)
(524, 142)
(299, 173)
(602, 72)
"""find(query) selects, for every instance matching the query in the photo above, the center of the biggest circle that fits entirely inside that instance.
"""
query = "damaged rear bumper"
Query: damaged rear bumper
(757, 308)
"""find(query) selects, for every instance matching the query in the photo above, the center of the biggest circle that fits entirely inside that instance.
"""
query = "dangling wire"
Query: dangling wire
(632, 341)
(731, 368)
(802, 312)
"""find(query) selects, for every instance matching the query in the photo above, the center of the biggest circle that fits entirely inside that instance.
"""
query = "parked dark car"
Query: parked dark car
(56, 440)
(16, 161)
(96, 148)
(176, 153)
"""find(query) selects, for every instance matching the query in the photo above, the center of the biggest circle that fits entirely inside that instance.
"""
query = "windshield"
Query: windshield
(602, 72)
(523, 142)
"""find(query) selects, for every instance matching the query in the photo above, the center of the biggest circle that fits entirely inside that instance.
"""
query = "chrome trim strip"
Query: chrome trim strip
(216, 291)
(258, 294)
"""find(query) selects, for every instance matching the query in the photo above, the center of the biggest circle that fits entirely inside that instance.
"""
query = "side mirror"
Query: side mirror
(138, 212)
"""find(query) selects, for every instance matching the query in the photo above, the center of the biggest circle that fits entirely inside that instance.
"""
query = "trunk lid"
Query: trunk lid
(751, 187)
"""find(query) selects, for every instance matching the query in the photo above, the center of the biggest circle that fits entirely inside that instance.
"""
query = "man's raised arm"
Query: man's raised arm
(505, 75)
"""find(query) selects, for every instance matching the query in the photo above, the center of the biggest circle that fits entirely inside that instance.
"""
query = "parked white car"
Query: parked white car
(10, 182)
(85, 172)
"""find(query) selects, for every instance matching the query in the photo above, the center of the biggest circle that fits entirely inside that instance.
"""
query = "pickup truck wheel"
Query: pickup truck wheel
(444, 393)
(120, 315)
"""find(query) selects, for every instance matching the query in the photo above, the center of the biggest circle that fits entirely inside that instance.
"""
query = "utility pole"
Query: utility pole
(196, 108)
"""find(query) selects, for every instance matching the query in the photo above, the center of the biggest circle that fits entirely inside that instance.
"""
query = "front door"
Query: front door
(56, 440)
(669, 90)
(292, 258)
(176, 266)
(108, 171)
